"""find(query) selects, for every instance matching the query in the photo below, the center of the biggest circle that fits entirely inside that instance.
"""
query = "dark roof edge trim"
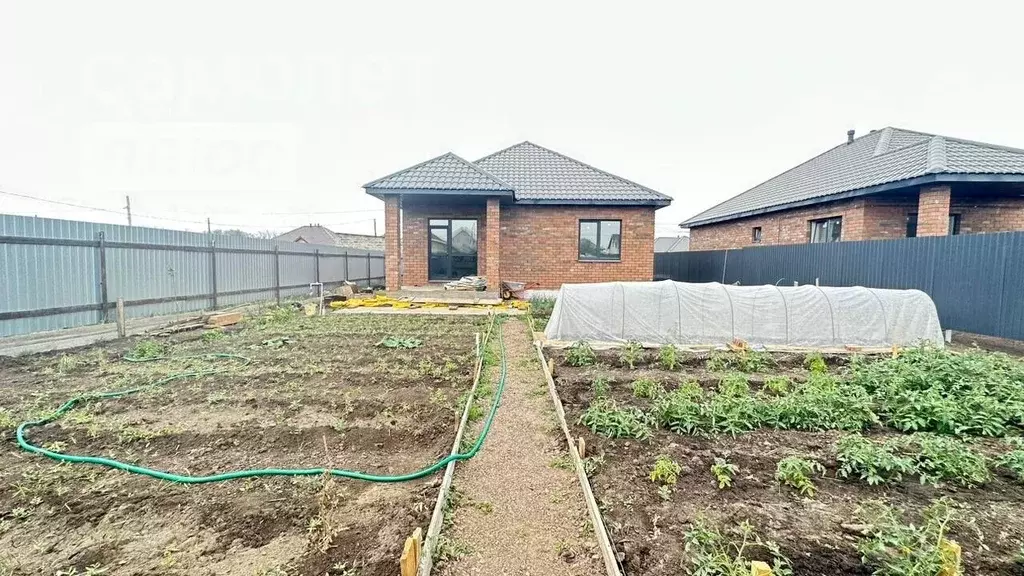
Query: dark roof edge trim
(886, 187)
(594, 202)
(381, 192)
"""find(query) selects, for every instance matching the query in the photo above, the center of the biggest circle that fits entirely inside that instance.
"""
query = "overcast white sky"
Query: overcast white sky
(253, 113)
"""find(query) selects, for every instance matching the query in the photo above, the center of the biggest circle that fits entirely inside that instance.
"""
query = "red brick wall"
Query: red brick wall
(416, 214)
(933, 211)
(492, 253)
(866, 219)
(788, 227)
(391, 242)
(540, 245)
(992, 215)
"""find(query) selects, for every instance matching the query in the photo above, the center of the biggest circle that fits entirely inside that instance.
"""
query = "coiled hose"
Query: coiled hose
(162, 475)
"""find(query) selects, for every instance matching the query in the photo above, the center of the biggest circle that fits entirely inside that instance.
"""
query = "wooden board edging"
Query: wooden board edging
(437, 518)
(604, 544)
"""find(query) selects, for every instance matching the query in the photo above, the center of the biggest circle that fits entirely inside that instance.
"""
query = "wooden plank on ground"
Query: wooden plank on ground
(437, 519)
(224, 319)
(604, 544)
(467, 301)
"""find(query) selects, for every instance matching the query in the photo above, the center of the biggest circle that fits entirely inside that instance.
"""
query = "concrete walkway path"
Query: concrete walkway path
(519, 508)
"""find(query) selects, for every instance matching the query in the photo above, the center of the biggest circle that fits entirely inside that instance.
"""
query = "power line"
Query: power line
(183, 221)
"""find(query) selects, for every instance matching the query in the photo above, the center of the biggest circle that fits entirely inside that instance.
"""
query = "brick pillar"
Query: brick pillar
(493, 250)
(392, 243)
(933, 211)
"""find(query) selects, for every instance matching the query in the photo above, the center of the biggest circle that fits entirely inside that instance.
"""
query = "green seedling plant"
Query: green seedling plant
(147, 350)
(601, 388)
(580, 354)
(946, 459)
(666, 471)
(712, 551)
(744, 360)
(631, 354)
(724, 471)
(647, 388)
(875, 463)
(213, 335)
(815, 363)
(1014, 459)
(894, 547)
(668, 357)
(796, 472)
(605, 418)
(399, 342)
(778, 384)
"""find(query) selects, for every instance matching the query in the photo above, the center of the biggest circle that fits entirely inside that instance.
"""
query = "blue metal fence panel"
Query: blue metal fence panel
(174, 266)
(976, 280)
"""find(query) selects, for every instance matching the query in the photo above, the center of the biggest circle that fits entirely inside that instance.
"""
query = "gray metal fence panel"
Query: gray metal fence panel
(55, 273)
(976, 280)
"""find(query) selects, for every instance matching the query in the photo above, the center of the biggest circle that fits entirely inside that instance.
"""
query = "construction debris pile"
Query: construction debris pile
(478, 283)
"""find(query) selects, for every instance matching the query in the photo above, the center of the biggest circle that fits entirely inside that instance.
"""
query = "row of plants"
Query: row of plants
(919, 390)
(890, 545)
(633, 354)
(935, 460)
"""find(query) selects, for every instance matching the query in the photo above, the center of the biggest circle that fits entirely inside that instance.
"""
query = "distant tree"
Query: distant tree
(262, 234)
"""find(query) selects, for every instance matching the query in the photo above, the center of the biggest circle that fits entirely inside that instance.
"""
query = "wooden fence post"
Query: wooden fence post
(122, 329)
(316, 265)
(103, 276)
(213, 272)
(277, 274)
(410, 560)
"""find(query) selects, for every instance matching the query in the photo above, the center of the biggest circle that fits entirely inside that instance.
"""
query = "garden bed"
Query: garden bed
(742, 413)
(318, 392)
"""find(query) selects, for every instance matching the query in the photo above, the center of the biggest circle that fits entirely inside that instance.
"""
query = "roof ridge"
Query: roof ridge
(936, 155)
(883, 141)
(434, 159)
(482, 171)
(581, 163)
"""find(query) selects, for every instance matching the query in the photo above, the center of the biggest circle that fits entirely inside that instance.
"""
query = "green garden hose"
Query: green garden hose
(109, 462)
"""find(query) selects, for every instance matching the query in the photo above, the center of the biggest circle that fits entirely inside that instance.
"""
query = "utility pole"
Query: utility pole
(374, 226)
(208, 229)
(128, 207)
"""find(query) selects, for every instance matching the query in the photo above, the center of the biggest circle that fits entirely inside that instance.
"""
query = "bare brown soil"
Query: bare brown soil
(326, 398)
(648, 531)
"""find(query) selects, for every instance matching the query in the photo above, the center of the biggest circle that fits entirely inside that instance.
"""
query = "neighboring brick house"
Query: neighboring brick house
(558, 220)
(891, 183)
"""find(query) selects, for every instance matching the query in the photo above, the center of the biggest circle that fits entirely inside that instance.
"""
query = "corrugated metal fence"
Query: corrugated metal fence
(64, 273)
(976, 280)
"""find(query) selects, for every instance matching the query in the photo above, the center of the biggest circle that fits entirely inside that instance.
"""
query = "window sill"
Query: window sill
(600, 260)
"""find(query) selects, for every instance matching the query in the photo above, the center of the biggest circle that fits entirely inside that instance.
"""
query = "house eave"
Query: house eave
(592, 202)
(939, 178)
(381, 193)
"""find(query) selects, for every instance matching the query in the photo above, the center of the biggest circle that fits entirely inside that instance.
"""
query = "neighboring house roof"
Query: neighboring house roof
(882, 160)
(316, 234)
(672, 244)
(530, 173)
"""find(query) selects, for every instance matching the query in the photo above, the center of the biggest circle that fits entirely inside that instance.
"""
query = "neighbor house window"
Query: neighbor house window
(826, 230)
(755, 236)
(912, 225)
(954, 224)
(600, 239)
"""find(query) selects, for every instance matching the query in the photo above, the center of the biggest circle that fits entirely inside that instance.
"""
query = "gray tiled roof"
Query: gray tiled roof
(446, 172)
(880, 157)
(542, 175)
(531, 173)
(317, 234)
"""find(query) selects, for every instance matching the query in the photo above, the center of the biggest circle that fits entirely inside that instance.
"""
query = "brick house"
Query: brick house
(890, 183)
(524, 214)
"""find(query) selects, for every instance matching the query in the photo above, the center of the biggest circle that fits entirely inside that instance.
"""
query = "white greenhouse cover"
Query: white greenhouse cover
(716, 314)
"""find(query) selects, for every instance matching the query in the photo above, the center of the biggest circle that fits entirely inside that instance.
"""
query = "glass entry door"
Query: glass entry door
(453, 250)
